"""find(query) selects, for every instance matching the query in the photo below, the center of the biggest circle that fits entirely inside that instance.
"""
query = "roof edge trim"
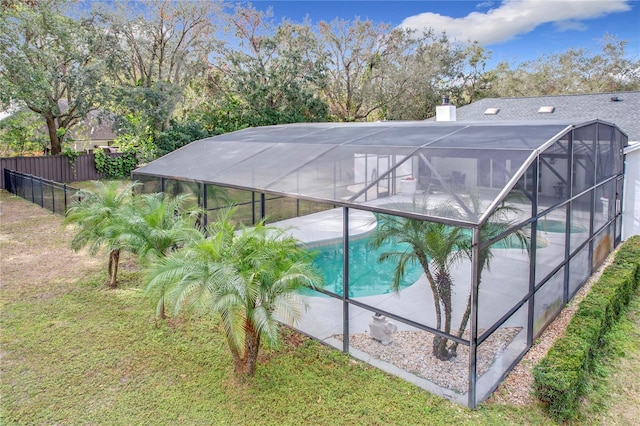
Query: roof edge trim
(632, 147)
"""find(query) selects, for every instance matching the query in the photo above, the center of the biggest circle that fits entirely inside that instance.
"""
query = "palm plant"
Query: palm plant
(216, 196)
(155, 225)
(499, 222)
(93, 214)
(436, 247)
(244, 276)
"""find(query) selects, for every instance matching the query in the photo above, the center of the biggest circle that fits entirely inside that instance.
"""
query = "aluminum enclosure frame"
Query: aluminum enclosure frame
(572, 171)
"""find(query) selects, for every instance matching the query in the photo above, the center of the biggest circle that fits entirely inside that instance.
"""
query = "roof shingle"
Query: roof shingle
(620, 108)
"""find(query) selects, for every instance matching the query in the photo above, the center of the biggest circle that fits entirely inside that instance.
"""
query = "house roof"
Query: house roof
(97, 126)
(620, 108)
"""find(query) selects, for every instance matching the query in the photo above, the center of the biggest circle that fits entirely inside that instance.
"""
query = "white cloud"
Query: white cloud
(570, 25)
(484, 4)
(514, 17)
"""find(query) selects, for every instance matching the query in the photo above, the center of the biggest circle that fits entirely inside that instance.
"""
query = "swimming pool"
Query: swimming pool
(367, 275)
(558, 226)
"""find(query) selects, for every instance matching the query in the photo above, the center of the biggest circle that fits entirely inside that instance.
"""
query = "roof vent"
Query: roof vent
(546, 110)
(491, 111)
(615, 99)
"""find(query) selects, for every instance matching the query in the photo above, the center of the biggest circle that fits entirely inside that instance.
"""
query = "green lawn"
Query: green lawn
(74, 353)
(96, 356)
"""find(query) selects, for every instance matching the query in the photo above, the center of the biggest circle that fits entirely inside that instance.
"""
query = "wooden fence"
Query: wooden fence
(57, 168)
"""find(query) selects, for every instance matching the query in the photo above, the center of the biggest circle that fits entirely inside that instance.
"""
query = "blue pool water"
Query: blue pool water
(367, 275)
(553, 225)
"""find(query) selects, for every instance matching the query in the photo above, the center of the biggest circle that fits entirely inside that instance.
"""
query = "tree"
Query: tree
(95, 214)
(375, 72)
(52, 64)
(218, 112)
(499, 222)
(244, 276)
(160, 47)
(572, 72)
(363, 61)
(436, 247)
(153, 226)
(470, 81)
(179, 135)
(434, 67)
(270, 74)
(20, 134)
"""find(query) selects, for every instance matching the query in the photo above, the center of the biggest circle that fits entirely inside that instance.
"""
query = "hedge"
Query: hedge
(560, 377)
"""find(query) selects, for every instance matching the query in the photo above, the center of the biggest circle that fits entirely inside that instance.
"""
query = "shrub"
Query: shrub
(560, 377)
(179, 135)
(117, 166)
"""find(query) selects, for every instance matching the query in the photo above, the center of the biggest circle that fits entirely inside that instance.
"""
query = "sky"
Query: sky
(513, 30)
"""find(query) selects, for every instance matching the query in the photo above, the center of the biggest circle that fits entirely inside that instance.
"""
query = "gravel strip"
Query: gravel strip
(412, 352)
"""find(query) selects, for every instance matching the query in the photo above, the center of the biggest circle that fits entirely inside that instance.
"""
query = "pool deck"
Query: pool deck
(502, 286)
(415, 302)
(322, 228)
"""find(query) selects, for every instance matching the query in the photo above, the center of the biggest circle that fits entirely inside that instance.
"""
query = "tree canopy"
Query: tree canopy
(208, 65)
(51, 63)
(158, 48)
(572, 72)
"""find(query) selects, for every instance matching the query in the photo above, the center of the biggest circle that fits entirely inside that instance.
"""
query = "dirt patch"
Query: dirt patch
(292, 338)
(34, 250)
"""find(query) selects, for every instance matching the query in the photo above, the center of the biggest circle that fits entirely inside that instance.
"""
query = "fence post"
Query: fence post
(53, 198)
(41, 193)
(5, 175)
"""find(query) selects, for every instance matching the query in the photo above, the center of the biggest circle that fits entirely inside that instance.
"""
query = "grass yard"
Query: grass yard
(73, 352)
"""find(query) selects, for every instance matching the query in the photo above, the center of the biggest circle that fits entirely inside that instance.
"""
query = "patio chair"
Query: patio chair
(458, 179)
